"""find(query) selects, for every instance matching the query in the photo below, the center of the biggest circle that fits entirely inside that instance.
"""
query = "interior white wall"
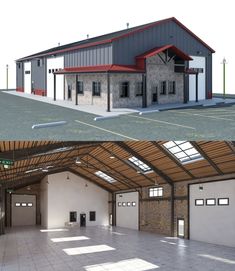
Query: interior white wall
(213, 224)
(23, 216)
(197, 62)
(127, 217)
(55, 63)
(44, 202)
(74, 195)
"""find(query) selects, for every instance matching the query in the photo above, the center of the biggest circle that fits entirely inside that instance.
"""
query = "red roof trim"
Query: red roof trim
(101, 68)
(158, 50)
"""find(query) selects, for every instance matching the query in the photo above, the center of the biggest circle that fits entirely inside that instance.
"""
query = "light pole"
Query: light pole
(7, 66)
(224, 62)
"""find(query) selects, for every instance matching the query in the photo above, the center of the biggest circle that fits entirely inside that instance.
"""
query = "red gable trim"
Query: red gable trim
(101, 68)
(158, 50)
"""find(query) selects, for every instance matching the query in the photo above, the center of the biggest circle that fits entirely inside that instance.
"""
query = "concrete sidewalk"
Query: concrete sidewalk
(101, 111)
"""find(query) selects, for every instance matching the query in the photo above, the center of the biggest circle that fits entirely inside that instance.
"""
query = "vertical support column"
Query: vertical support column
(113, 209)
(172, 210)
(76, 89)
(196, 87)
(54, 87)
(7, 67)
(108, 92)
(2, 210)
(144, 97)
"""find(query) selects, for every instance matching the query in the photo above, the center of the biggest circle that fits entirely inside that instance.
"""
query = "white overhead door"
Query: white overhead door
(212, 217)
(127, 210)
(197, 62)
(23, 210)
(27, 77)
(54, 64)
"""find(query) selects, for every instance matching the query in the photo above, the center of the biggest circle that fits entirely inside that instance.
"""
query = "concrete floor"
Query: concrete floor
(106, 249)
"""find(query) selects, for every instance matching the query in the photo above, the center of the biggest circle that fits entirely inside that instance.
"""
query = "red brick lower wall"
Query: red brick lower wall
(20, 89)
(41, 92)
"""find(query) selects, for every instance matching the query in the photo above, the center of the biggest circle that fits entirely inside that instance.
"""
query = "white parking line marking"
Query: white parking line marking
(105, 130)
(165, 122)
(204, 116)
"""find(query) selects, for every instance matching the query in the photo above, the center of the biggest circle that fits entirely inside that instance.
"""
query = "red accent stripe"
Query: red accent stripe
(20, 89)
(40, 92)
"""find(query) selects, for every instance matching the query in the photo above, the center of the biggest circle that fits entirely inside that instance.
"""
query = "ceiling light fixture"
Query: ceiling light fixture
(78, 161)
(111, 155)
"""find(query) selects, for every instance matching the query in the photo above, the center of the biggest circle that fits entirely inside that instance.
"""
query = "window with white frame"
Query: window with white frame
(199, 202)
(155, 192)
(183, 151)
(96, 88)
(223, 201)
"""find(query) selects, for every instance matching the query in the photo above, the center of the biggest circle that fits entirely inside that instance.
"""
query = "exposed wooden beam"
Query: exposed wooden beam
(166, 178)
(208, 159)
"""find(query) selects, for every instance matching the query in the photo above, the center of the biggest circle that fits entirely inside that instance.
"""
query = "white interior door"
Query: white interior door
(23, 210)
(27, 77)
(212, 218)
(127, 210)
(197, 62)
(53, 64)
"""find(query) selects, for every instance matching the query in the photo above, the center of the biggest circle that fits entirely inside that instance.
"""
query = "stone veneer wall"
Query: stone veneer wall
(158, 71)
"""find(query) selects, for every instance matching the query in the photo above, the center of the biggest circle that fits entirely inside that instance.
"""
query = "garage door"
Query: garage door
(197, 62)
(23, 210)
(54, 64)
(127, 210)
(27, 77)
(212, 216)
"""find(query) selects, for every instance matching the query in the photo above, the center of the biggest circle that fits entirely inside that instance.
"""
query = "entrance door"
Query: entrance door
(180, 228)
(27, 77)
(69, 92)
(82, 220)
(155, 95)
(23, 209)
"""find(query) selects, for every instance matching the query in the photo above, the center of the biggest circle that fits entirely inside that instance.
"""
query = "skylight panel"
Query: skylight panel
(138, 163)
(183, 151)
(105, 177)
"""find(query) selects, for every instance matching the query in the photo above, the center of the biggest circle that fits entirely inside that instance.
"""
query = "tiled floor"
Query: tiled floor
(106, 249)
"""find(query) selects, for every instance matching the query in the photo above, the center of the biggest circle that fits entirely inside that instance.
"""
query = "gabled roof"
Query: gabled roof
(101, 68)
(158, 50)
(109, 38)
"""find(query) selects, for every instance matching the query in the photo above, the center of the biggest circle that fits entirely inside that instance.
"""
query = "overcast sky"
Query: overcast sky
(29, 26)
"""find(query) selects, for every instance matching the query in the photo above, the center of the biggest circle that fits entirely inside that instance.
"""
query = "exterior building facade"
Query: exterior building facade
(155, 63)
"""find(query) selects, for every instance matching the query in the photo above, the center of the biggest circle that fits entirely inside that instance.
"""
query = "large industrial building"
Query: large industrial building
(159, 205)
(156, 63)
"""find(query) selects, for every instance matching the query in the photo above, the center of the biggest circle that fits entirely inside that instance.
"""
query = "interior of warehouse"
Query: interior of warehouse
(116, 204)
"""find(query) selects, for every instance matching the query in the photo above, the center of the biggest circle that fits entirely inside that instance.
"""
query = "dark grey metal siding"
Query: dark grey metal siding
(125, 50)
(98, 55)
(38, 74)
(19, 75)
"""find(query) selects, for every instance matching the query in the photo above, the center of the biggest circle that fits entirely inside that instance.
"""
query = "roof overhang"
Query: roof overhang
(101, 69)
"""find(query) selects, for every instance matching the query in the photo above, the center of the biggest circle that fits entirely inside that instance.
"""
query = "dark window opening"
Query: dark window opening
(49, 70)
(163, 88)
(73, 217)
(92, 216)
(139, 89)
(27, 72)
(124, 91)
(80, 87)
(18, 65)
(96, 88)
(171, 87)
(39, 62)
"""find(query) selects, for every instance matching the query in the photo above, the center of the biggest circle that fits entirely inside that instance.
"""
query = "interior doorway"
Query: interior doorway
(180, 227)
(82, 220)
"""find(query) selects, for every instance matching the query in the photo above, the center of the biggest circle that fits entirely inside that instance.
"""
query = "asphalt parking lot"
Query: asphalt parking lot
(18, 115)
